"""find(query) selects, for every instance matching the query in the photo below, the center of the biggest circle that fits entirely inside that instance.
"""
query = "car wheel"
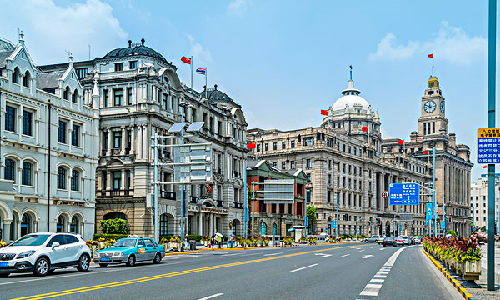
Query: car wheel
(103, 265)
(83, 263)
(42, 267)
(4, 275)
(157, 258)
(385, 245)
(131, 261)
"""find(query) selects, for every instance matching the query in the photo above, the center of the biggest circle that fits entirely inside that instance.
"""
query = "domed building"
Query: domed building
(353, 115)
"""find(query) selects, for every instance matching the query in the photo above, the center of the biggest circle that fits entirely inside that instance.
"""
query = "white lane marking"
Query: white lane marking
(231, 254)
(36, 279)
(375, 284)
(372, 247)
(314, 265)
(382, 249)
(367, 256)
(222, 252)
(273, 254)
(361, 251)
(293, 271)
(323, 254)
(213, 296)
(73, 275)
(2, 283)
(345, 255)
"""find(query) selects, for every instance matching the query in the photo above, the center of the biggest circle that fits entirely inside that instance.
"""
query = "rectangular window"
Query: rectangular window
(292, 165)
(128, 179)
(283, 165)
(75, 136)
(117, 139)
(61, 133)
(275, 146)
(132, 64)
(27, 123)
(75, 181)
(433, 127)
(266, 148)
(104, 180)
(117, 180)
(425, 128)
(118, 97)
(105, 98)
(27, 173)
(10, 119)
(118, 67)
(308, 163)
(292, 144)
(258, 147)
(129, 96)
(283, 145)
(275, 164)
(81, 72)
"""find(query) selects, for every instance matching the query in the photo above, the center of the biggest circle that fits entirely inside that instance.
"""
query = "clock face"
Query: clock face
(442, 107)
(429, 106)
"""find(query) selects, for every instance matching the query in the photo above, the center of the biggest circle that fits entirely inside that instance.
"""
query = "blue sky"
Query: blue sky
(285, 60)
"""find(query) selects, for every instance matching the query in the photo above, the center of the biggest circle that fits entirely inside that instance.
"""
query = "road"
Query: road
(344, 271)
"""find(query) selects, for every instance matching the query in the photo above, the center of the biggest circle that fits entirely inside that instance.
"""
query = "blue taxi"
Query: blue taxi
(130, 250)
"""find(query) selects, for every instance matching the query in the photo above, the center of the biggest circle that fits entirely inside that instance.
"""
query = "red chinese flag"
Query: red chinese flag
(186, 60)
(324, 112)
(401, 142)
(485, 167)
(425, 152)
(430, 55)
(251, 145)
(365, 129)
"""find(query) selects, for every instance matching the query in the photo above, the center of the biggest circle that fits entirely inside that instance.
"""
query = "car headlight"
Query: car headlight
(118, 254)
(96, 255)
(25, 254)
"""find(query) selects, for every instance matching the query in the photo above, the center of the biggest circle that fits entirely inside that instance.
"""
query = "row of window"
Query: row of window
(117, 97)
(427, 128)
(26, 77)
(116, 177)
(27, 175)
(62, 133)
(131, 65)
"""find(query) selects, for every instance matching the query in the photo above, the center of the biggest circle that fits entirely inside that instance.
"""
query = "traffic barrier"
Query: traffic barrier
(456, 284)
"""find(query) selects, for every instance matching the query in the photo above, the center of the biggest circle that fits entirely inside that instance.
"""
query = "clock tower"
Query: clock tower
(432, 121)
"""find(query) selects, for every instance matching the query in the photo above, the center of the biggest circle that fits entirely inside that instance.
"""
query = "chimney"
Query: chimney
(130, 43)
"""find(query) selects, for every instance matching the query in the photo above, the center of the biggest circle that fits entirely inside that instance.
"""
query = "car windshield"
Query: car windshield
(125, 243)
(32, 240)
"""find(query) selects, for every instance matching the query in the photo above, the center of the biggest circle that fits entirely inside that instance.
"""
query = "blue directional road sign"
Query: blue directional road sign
(403, 194)
(334, 224)
(488, 144)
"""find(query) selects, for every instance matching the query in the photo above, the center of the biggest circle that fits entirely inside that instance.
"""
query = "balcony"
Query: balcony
(168, 195)
(115, 193)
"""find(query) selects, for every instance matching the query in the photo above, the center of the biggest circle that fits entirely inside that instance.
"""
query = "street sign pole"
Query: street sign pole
(434, 200)
(492, 36)
(245, 203)
(155, 187)
(337, 223)
(305, 214)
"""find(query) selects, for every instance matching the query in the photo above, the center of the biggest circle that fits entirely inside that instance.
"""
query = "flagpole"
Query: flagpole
(206, 77)
(191, 72)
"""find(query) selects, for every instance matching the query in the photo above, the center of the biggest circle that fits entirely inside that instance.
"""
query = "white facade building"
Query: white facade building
(48, 148)
(479, 201)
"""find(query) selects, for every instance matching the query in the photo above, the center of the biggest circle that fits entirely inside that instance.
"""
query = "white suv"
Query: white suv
(42, 252)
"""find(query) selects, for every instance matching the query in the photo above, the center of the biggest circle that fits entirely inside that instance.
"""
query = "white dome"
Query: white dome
(350, 99)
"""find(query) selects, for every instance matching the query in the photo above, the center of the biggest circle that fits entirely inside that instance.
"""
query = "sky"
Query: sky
(285, 60)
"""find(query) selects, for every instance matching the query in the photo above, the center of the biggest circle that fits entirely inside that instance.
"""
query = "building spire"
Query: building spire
(21, 37)
(350, 72)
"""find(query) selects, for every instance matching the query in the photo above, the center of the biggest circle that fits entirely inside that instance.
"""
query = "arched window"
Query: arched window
(75, 225)
(163, 224)
(66, 93)
(61, 223)
(9, 173)
(75, 96)
(27, 173)
(26, 224)
(275, 229)
(15, 76)
(26, 79)
(75, 181)
(61, 178)
(263, 228)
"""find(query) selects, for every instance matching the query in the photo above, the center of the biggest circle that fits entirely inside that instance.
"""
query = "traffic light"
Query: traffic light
(448, 219)
(377, 220)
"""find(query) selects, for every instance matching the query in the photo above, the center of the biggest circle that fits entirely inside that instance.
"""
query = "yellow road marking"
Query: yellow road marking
(149, 278)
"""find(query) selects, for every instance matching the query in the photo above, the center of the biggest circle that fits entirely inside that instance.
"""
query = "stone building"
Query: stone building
(347, 169)
(274, 218)
(479, 201)
(453, 165)
(138, 93)
(48, 148)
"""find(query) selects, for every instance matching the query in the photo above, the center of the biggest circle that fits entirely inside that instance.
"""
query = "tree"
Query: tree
(311, 215)
(117, 226)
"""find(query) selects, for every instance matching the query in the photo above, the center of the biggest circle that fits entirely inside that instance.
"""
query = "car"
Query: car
(416, 240)
(43, 252)
(406, 240)
(389, 241)
(380, 239)
(482, 237)
(372, 239)
(129, 251)
(399, 241)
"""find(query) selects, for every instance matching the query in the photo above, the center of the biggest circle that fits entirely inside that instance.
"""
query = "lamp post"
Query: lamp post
(435, 206)
(337, 222)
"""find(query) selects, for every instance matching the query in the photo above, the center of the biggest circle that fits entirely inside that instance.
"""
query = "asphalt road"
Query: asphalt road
(344, 271)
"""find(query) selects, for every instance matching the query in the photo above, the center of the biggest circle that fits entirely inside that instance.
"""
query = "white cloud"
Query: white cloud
(50, 29)
(200, 54)
(238, 7)
(451, 44)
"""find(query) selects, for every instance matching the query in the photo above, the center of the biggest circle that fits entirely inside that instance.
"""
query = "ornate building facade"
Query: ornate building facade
(138, 93)
(48, 148)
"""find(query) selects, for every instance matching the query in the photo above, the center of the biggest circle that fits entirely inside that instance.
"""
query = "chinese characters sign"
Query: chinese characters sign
(403, 194)
(488, 143)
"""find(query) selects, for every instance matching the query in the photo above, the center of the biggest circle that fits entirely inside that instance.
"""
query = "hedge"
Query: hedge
(108, 236)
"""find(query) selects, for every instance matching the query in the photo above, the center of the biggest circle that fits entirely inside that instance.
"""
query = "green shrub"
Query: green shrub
(109, 236)
(117, 226)
(194, 237)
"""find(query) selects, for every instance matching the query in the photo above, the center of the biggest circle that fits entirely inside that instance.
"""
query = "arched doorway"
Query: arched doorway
(263, 228)
(61, 223)
(75, 225)
(166, 224)
(26, 224)
(236, 227)
(275, 229)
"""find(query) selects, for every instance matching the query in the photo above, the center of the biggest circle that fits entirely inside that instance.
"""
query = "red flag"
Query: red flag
(485, 167)
(401, 142)
(430, 55)
(425, 152)
(186, 60)
(251, 145)
(324, 112)
(365, 129)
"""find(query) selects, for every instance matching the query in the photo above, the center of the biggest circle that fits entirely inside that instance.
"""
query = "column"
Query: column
(211, 223)
(19, 176)
(132, 149)
(6, 230)
(139, 142)
(123, 180)
(110, 142)
(145, 144)
(124, 139)
(200, 224)
(100, 145)
(110, 184)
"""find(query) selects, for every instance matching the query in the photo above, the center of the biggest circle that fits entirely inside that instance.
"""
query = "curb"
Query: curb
(463, 291)
(284, 246)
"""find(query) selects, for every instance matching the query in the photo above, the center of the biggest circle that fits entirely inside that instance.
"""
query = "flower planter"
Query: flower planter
(471, 270)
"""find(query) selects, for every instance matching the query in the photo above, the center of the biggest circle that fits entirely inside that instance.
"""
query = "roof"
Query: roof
(215, 95)
(135, 50)
(3, 57)
(350, 99)
(6, 49)
(49, 80)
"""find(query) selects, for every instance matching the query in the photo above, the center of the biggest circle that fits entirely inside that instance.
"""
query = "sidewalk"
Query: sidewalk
(479, 289)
